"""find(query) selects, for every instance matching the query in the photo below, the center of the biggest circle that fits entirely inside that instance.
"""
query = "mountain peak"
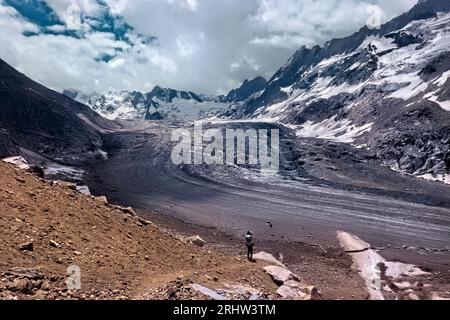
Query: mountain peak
(247, 89)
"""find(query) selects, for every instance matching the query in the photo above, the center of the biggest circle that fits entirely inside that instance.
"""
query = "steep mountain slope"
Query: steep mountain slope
(45, 122)
(247, 89)
(386, 90)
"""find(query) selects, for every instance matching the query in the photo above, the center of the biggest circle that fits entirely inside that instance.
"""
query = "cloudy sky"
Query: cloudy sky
(207, 46)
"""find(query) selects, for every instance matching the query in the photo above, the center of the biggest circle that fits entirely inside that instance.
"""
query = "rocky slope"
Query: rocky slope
(45, 122)
(49, 227)
(383, 89)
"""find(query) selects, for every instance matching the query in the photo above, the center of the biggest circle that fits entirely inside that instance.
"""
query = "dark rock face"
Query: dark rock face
(43, 121)
(387, 90)
(168, 95)
(153, 116)
(248, 88)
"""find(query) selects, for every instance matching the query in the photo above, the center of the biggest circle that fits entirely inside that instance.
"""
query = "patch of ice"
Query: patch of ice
(367, 261)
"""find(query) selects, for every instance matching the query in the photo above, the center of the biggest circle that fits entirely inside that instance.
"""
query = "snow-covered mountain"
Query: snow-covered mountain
(158, 104)
(163, 103)
(384, 89)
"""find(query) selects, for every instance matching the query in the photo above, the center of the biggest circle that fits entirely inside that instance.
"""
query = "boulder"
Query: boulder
(65, 184)
(129, 211)
(213, 295)
(37, 171)
(28, 273)
(18, 162)
(279, 274)
(298, 292)
(20, 285)
(197, 241)
(102, 199)
(295, 290)
(84, 190)
(267, 257)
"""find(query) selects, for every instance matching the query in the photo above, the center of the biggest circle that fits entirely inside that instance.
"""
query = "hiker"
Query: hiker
(249, 244)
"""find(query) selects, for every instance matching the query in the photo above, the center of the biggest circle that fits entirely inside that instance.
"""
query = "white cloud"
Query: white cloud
(286, 23)
(203, 45)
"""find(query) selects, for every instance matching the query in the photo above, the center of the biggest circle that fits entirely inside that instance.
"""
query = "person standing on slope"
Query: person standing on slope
(249, 243)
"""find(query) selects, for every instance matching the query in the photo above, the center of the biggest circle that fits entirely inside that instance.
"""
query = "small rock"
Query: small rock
(129, 211)
(145, 222)
(288, 293)
(102, 199)
(197, 241)
(413, 296)
(54, 244)
(65, 184)
(20, 180)
(45, 286)
(20, 285)
(27, 246)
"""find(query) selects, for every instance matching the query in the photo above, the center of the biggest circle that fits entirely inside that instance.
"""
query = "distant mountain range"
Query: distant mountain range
(163, 103)
(387, 90)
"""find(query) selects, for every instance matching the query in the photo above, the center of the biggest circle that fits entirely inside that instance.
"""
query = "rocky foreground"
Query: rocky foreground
(49, 229)
(58, 243)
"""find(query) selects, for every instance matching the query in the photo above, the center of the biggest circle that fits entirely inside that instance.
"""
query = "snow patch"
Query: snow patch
(380, 44)
(443, 104)
(367, 261)
(442, 79)
(445, 178)
(331, 129)
(54, 170)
